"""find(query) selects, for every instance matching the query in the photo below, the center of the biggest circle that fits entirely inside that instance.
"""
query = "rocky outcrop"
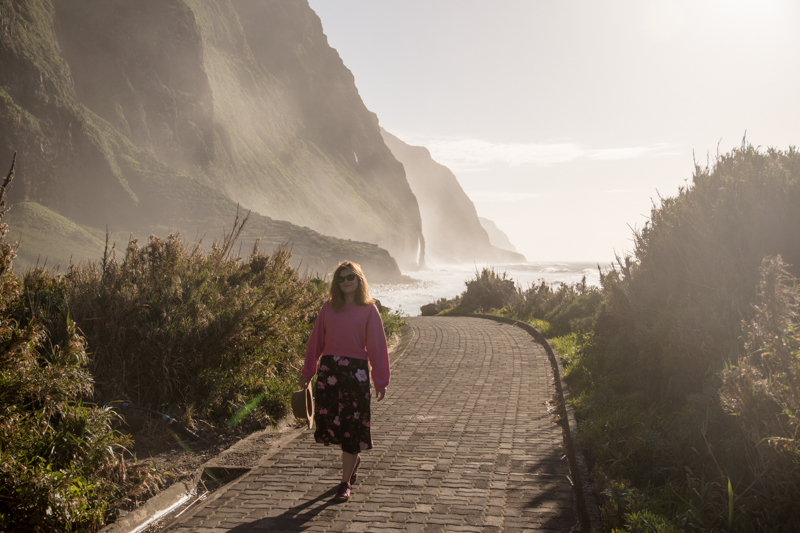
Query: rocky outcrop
(453, 233)
(429, 310)
(168, 112)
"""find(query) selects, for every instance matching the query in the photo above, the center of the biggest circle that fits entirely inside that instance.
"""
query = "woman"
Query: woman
(347, 340)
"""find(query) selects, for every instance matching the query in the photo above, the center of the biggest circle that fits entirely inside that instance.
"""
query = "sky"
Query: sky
(565, 121)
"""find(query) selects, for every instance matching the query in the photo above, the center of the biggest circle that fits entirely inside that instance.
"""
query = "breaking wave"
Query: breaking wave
(449, 281)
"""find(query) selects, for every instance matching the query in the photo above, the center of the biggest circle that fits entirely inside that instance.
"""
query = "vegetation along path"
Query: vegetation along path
(463, 442)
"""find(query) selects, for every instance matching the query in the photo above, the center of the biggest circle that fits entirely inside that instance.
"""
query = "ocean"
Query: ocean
(449, 281)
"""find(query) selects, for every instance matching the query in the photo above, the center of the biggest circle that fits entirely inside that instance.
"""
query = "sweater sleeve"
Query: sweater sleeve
(377, 351)
(315, 344)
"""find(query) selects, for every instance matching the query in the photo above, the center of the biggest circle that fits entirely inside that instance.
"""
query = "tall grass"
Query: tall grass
(557, 309)
(561, 308)
(763, 388)
(59, 466)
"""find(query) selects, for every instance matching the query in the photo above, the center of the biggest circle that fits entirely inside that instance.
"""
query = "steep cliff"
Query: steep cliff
(497, 237)
(453, 233)
(166, 113)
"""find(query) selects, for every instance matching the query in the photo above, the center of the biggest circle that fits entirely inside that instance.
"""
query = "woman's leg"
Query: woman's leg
(348, 464)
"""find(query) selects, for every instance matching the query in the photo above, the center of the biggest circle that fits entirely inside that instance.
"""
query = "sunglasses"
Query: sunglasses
(342, 279)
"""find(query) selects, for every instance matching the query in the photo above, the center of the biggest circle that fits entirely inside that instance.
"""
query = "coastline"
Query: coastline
(446, 281)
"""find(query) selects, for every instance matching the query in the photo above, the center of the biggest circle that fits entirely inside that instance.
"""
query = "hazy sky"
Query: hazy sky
(564, 120)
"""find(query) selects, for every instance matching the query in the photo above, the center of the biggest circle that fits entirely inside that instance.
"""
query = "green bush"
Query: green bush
(646, 522)
(488, 290)
(173, 325)
(677, 326)
(575, 313)
(626, 510)
(392, 322)
(673, 310)
(563, 307)
(543, 300)
(59, 467)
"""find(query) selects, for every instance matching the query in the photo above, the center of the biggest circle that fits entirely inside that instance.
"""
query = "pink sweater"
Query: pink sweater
(354, 331)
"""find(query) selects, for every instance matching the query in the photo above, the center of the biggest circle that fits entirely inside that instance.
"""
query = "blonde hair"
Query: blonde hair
(336, 296)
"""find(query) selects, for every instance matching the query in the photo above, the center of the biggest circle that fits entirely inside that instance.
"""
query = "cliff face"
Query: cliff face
(453, 232)
(496, 236)
(165, 112)
(63, 161)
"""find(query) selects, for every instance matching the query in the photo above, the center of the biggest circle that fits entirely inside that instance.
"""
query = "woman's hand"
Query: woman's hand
(379, 394)
(304, 382)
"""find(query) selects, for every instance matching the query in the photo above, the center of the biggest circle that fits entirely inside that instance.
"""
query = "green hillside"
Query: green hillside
(39, 229)
(48, 239)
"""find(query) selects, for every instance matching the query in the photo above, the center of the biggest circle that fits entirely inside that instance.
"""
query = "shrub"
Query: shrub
(763, 388)
(488, 290)
(392, 321)
(646, 384)
(175, 325)
(673, 310)
(537, 301)
(59, 470)
(576, 313)
(625, 510)
(569, 307)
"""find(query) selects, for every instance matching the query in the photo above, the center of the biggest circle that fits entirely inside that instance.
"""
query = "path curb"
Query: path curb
(584, 494)
(179, 492)
(155, 507)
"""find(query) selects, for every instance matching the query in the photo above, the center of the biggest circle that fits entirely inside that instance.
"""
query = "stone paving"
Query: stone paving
(463, 442)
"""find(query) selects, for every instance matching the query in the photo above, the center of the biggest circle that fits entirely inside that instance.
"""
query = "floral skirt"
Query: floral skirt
(342, 398)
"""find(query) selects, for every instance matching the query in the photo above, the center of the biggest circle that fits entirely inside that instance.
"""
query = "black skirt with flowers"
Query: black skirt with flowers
(342, 399)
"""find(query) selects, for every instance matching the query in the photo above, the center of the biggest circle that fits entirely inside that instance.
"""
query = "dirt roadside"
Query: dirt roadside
(160, 458)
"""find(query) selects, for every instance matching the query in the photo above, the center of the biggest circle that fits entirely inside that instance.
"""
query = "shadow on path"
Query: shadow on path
(548, 486)
(294, 518)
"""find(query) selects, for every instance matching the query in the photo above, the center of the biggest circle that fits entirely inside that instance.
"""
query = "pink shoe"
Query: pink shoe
(354, 477)
(343, 492)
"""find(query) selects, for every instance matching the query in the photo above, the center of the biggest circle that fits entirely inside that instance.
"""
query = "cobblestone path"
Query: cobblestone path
(463, 442)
